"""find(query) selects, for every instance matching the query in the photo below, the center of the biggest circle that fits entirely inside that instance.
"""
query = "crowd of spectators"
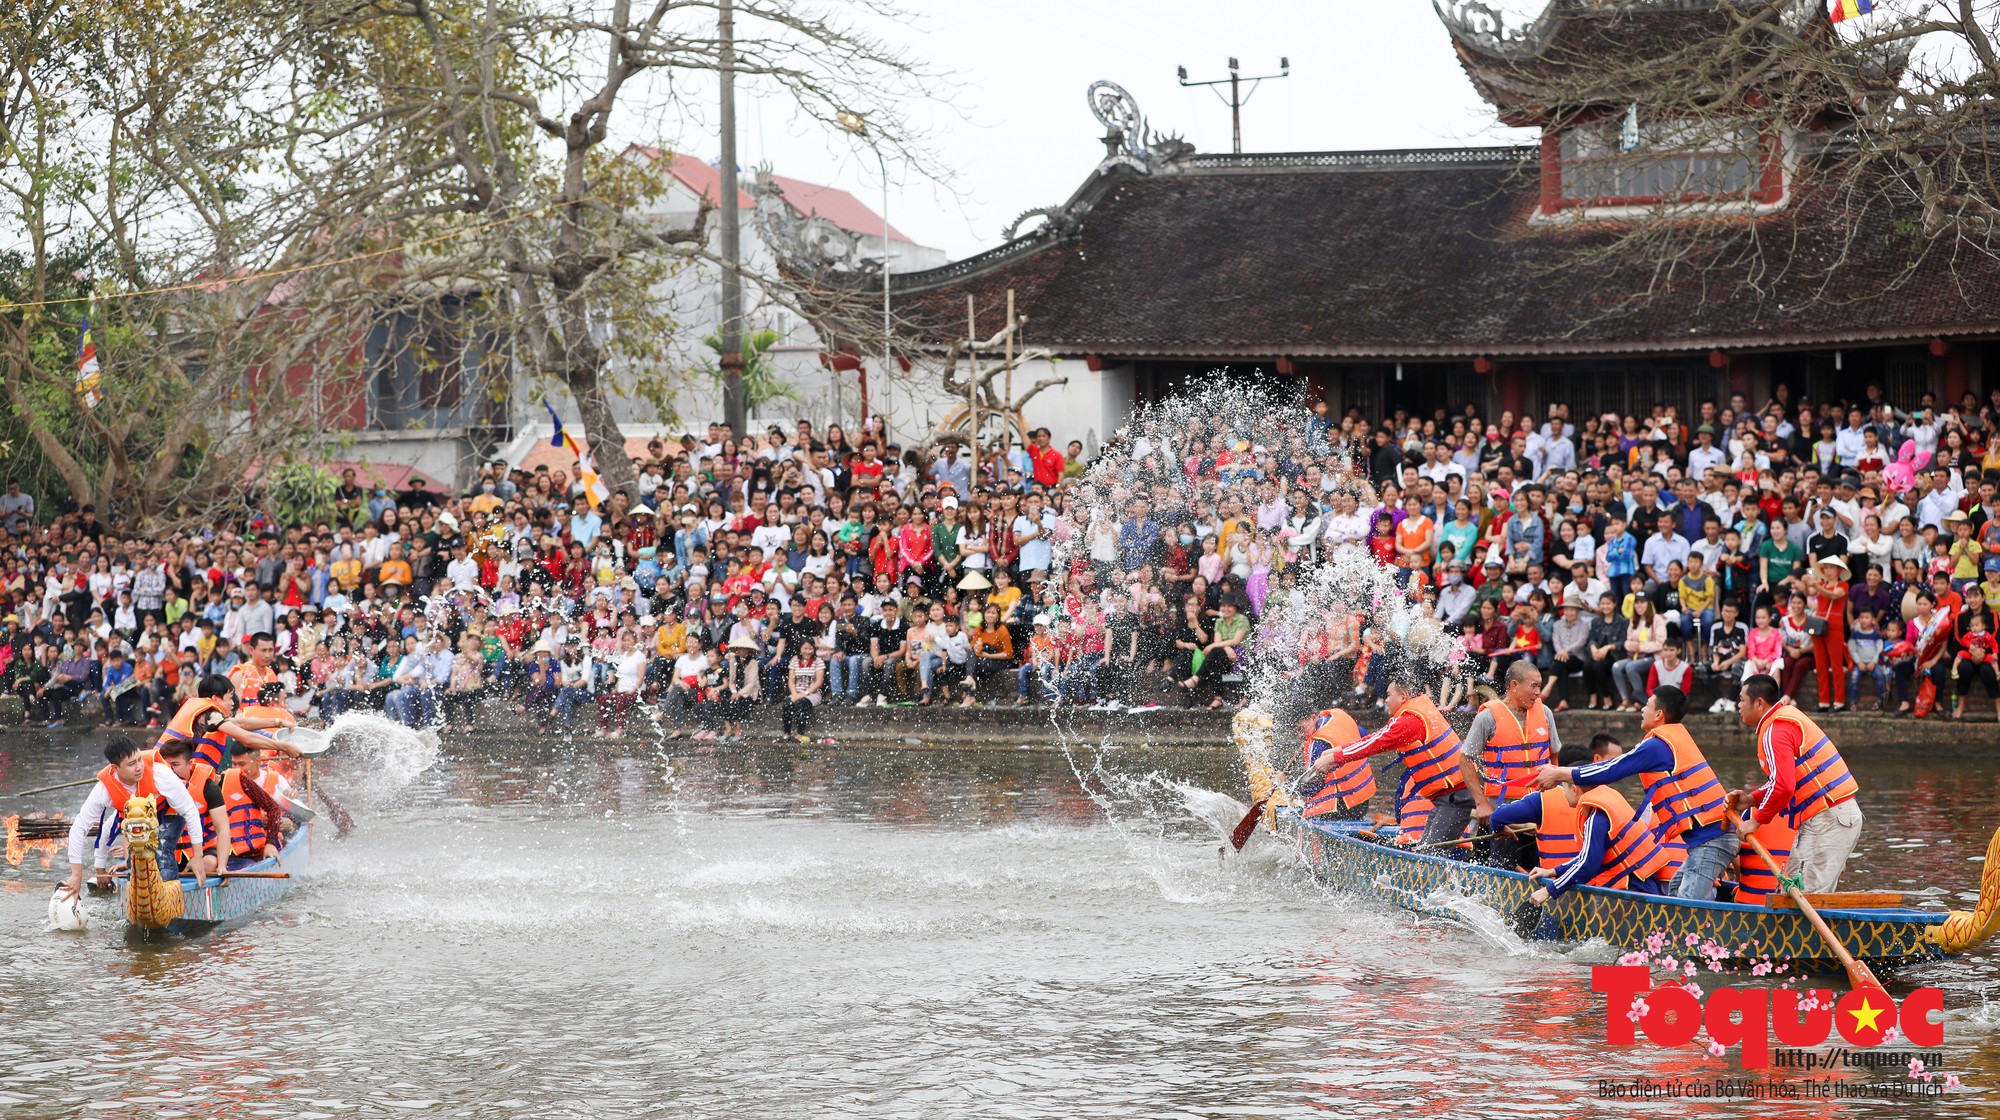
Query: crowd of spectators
(1850, 549)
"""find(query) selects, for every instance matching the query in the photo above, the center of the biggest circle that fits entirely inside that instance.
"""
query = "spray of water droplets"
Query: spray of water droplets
(1218, 507)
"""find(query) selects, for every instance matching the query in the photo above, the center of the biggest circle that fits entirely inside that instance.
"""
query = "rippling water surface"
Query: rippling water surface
(542, 930)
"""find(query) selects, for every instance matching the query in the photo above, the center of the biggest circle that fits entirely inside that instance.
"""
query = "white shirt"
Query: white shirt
(1934, 505)
(631, 668)
(955, 647)
(690, 665)
(1453, 600)
(463, 573)
(1847, 446)
(771, 538)
(1347, 528)
(1702, 459)
(1035, 554)
(98, 812)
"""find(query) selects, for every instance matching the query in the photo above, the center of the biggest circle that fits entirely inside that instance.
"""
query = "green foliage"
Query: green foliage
(301, 493)
(761, 383)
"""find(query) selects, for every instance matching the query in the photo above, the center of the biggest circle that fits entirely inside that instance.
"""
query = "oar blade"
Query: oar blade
(1248, 825)
(1527, 921)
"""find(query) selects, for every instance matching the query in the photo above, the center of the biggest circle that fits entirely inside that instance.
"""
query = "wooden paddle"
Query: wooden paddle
(1858, 974)
(250, 875)
(1241, 834)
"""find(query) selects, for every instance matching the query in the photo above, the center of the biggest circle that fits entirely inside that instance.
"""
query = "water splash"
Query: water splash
(1213, 469)
(1233, 478)
(379, 756)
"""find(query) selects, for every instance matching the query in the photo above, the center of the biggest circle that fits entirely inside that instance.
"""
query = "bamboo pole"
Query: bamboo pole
(1006, 422)
(53, 788)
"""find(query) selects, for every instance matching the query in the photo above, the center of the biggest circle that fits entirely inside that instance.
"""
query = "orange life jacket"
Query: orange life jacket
(197, 781)
(113, 788)
(1757, 881)
(1629, 849)
(246, 821)
(206, 748)
(250, 681)
(1516, 749)
(265, 711)
(1821, 778)
(1688, 796)
(1433, 762)
(1349, 786)
(1413, 813)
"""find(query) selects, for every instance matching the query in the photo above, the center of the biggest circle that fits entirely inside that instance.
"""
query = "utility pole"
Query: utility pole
(1238, 97)
(972, 384)
(735, 411)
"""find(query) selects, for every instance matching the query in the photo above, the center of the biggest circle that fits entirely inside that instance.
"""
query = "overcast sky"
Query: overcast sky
(1019, 134)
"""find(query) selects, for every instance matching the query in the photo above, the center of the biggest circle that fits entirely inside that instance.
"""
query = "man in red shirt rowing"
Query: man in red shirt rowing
(1808, 785)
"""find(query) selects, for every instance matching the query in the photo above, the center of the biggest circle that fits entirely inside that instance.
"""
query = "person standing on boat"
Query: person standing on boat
(129, 772)
(1510, 739)
(1346, 791)
(250, 677)
(1688, 800)
(1809, 786)
(1428, 746)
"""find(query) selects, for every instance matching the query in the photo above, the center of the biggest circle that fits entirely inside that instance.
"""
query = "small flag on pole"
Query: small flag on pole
(586, 471)
(86, 370)
(1851, 9)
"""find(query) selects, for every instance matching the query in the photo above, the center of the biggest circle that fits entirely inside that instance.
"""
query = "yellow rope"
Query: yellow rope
(293, 269)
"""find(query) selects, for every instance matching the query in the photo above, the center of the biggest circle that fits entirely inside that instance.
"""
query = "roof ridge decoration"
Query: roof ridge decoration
(1484, 26)
(805, 244)
(1128, 139)
(1129, 143)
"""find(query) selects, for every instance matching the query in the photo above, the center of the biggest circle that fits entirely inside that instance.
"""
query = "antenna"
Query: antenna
(1238, 96)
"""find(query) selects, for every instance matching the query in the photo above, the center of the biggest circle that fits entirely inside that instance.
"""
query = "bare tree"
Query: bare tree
(215, 288)
(507, 125)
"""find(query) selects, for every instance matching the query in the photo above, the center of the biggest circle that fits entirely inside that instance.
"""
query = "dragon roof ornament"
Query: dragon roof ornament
(804, 243)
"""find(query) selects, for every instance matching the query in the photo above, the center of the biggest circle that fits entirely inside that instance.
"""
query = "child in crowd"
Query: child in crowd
(1865, 646)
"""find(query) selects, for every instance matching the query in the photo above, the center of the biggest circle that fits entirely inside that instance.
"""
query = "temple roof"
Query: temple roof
(1604, 50)
(1430, 254)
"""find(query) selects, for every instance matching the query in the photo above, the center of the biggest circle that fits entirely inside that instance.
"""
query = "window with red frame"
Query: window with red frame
(1604, 163)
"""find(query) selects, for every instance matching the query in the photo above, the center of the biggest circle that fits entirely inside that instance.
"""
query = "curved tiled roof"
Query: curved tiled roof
(1432, 254)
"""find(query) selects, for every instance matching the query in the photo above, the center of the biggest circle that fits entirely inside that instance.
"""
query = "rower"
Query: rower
(1687, 799)
(254, 814)
(1429, 750)
(1757, 880)
(208, 716)
(250, 677)
(1586, 837)
(1510, 739)
(128, 773)
(1345, 793)
(197, 845)
(276, 786)
(1808, 786)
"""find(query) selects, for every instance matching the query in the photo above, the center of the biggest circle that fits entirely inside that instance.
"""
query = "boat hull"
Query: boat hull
(227, 902)
(1439, 886)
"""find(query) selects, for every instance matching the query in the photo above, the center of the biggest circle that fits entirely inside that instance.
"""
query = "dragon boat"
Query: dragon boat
(1340, 855)
(156, 907)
